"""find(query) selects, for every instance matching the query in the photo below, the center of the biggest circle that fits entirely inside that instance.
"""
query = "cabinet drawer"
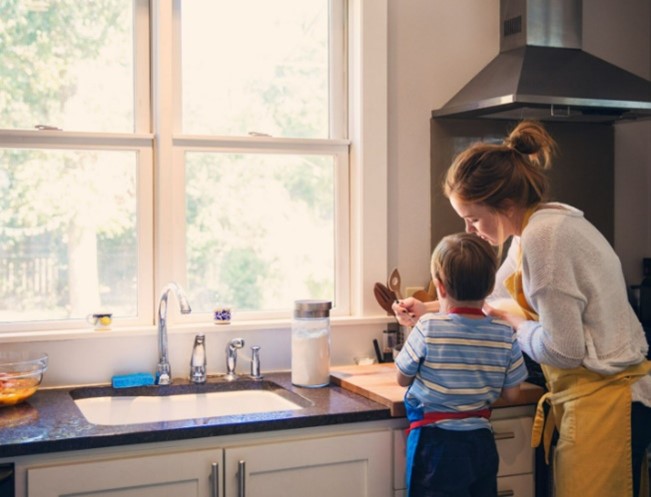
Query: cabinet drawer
(507, 486)
(513, 437)
(515, 486)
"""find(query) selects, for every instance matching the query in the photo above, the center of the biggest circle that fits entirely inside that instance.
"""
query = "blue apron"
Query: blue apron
(414, 413)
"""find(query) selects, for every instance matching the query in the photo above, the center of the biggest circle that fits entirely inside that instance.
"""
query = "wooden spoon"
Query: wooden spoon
(384, 297)
(395, 282)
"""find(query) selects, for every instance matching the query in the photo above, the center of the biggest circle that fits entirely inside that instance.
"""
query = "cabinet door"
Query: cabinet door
(187, 474)
(357, 465)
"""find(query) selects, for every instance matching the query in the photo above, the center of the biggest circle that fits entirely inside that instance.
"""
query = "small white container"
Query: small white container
(311, 343)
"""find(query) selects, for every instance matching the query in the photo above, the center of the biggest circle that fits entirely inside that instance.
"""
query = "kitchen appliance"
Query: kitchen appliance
(542, 72)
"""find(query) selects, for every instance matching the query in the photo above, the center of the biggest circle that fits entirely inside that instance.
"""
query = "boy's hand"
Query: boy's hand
(409, 310)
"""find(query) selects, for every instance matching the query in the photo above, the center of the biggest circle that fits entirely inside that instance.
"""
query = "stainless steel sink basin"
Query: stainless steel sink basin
(109, 406)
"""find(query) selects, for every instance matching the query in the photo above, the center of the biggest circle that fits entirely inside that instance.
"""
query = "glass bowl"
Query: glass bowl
(20, 375)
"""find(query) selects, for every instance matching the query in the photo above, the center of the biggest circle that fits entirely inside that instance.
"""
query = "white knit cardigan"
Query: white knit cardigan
(573, 279)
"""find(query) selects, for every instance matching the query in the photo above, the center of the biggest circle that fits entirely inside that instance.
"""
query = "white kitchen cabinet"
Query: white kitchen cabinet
(515, 486)
(346, 466)
(187, 474)
(517, 458)
(346, 463)
(513, 438)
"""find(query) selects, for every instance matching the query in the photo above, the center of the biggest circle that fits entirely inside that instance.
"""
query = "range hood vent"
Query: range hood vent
(542, 73)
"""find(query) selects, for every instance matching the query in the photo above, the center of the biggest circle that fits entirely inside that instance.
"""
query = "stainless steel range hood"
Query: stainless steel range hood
(542, 73)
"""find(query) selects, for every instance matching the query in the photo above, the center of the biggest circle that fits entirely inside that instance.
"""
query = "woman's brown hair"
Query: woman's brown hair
(500, 175)
(466, 266)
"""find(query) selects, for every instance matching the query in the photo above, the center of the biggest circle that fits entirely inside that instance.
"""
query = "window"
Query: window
(225, 167)
(75, 164)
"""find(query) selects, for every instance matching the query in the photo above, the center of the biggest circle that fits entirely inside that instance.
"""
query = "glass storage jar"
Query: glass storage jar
(311, 343)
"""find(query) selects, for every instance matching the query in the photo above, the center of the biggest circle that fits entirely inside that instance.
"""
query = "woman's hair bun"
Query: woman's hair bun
(530, 138)
(523, 143)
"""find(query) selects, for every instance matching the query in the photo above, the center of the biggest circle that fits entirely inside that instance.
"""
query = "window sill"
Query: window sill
(191, 328)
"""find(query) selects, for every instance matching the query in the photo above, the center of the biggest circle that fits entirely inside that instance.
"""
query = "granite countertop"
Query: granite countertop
(49, 421)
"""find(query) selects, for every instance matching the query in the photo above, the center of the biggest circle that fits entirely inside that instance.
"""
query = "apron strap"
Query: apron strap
(433, 417)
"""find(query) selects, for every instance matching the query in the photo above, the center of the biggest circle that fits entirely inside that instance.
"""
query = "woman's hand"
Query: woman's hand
(409, 310)
(514, 320)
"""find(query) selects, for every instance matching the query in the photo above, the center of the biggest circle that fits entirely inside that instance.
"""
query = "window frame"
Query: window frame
(141, 146)
(363, 258)
(172, 144)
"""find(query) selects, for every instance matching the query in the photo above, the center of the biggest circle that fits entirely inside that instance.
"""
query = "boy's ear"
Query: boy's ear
(440, 289)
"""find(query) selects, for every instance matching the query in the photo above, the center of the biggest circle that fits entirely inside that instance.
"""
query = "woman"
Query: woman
(574, 317)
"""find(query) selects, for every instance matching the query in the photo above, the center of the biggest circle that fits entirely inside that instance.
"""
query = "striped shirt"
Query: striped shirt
(460, 364)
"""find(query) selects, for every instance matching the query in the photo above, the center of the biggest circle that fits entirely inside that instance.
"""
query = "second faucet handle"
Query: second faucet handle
(231, 357)
(255, 362)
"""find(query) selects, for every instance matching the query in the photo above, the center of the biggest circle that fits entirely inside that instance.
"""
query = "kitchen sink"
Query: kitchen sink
(153, 404)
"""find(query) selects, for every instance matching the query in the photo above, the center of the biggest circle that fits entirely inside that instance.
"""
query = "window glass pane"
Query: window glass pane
(67, 64)
(67, 234)
(255, 66)
(260, 230)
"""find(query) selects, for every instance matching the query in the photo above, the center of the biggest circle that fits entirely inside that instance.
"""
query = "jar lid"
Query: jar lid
(312, 308)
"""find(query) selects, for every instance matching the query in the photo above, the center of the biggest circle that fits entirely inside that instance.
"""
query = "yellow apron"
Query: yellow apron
(592, 414)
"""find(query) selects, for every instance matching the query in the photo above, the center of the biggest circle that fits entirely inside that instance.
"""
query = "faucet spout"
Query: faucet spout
(163, 370)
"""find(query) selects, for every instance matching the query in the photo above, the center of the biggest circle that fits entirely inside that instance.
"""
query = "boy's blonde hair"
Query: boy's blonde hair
(465, 265)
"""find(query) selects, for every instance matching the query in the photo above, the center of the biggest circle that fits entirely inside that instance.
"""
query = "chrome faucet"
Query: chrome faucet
(163, 370)
(231, 357)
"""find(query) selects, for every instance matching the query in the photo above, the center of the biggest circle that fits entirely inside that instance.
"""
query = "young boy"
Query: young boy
(456, 363)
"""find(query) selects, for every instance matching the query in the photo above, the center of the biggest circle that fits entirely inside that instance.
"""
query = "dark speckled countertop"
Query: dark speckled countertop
(50, 421)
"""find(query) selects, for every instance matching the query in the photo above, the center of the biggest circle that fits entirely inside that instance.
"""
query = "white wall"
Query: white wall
(95, 358)
(435, 47)
(604, 22)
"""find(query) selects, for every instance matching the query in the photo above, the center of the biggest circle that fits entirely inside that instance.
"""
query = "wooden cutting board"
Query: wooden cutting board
(378, 383)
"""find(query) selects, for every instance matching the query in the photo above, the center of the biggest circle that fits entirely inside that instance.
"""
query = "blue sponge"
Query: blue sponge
(132, 380)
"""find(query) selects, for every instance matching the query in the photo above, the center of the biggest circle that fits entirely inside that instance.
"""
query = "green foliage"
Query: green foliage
(241, 273)
(36, 47)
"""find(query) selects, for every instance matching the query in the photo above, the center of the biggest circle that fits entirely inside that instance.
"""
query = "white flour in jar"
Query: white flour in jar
(311, 358)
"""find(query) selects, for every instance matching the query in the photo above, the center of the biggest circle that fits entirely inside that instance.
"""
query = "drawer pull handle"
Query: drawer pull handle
(241, 479)
(505, 493)
(215, 480)
(504, 436)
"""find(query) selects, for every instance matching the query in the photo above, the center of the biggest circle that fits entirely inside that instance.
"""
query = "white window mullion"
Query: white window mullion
(142, 64)
(368, 111)
(338, 70)
(168, 205)
(342, 237)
